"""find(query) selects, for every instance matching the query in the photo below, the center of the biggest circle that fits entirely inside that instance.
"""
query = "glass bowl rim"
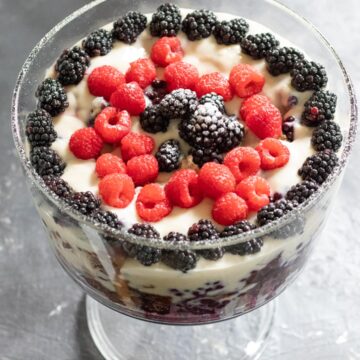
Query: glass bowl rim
(160, 243)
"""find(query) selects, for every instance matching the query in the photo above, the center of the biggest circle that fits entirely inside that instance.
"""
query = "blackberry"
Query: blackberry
(72, 65)
(319, 166)
(153, 121)
(84, 202)
(129, 27)
(168, 155)
(237, 228)
(318, 108)
(308, 75)
(52, 97)
(166, 21)
(327, 136)
(40, 129)
(199, 24)
(144, 230)
(179, 103)
(57, 185)
(288, 128)
(107, 218)
(200, 156)
(215, 99)
(274, 211)
(302, 191)
(258, 46)
(99, 42)
(282, 61)
(231, 32)
(156, 91)
(46, 161)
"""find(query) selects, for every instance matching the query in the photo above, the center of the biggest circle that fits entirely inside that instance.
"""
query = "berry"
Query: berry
(168, 155)
(255, 190)
(254, 102)
(52, 97)
(302, 191)
(258, 46)
(199, 24)
(282, 61)
(308, 75)
(40, 129)
(242, 162)
(230, 32)
(288, 128)
(165, 21)
(216, 180)
(86, 144)
(153, 121)
(166, 50)
(274, 211)
(71, 66)
(200, 156)
(144, 230)
(117, 190)
(237, 228)
(141, 71)
(319, 166)
(46, 161)
(107, 218)
(99, 42)
(178, 104)
(157, 91)
(183, 189)
(181, 75)
(107, 164)
(84, 202)
(134, 144)
(245, 80)
(104, 80)
(143, 169)
(318, 108)
(129, 97)
(215, 99)
(273, 154)
(214, 82)
(129, 27)
(58, 186)
(152, 203)
(327, 136)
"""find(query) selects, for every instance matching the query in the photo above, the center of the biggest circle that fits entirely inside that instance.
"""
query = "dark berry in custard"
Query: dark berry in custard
(179, 103)
(302, 191)
(57, 185)
(153, 121)
(168, 155)
(327, 136)
(84, 202)
(215, 99)
(99, 42)
(258, 46)
(288, 128)
(156, 91)
(274, 211)
(166, 20)
(231, 32)
(282, 60)
(199, 24)
(46, 161)
(40, 129)
(200, 156)
(107, 218)
(128, 28)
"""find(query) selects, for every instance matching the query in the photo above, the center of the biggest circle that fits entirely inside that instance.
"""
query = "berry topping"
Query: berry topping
(104, 80)
(129, 27)
(245, 80)
(99, 42)
(46, 161)
(179, 103)
(153, 121)
(57, 185)
(302, 191)
(84, 202)
(230, 32)
(166, 21)
(143, 169)
(181, 75)
(258, 46)
(134, 144)
(168, 155)
(327, 136)
(144, 230)
(254, 102)
(200, 156)
(166, 50)
(141, 71)
(86, 144)
(214, 82)
(273, 153)
(156, 91)
(215, 99)
(288, 128)
(107, 164)
(199, 24)
(274, 211)
(238, 228)
(107, 218)
(282, 61)
(152, 203)
(117, 190)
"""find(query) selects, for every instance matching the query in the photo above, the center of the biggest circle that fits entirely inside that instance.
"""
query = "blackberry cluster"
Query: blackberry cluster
(308, 75)
(237, 228)
(274, 211)
(215, 99)
(153, 121)
(107, 218)
(258, 46)
(288, 128)
(231, 32)
(302, 191)
(199, 24)
(72, 65)
(129, 27)
(166, 21)
(40, 129)
(327, 136)
(57, 185)
(46, 161)
(52, 97)
(84, 202)
(200, 156)
(282, 61)
(156, 91)
(318, 108)
(99, 42)
(179, 103)
(168, 155)
(319, 166)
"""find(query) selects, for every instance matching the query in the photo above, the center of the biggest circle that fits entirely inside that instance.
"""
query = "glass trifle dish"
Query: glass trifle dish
(183, 163)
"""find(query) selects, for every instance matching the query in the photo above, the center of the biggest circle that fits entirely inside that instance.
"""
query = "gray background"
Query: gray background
(42, 312)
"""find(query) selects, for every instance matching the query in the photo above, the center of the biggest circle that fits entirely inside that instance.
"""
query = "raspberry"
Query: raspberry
(245, 80)
(117, 190)
(255, 190)
(273, 154)
(183, 189)
(242, 162)
(134, 144)
(214, 82)
(166, 50)
(143, 169)
(152, 203)
(86, 143)
(104, 80)
(141, 71)
(112, 125)
(107, 164)
(181, 75)
(216, 180)
(253, 102)
(229, 208)
(129, 97)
